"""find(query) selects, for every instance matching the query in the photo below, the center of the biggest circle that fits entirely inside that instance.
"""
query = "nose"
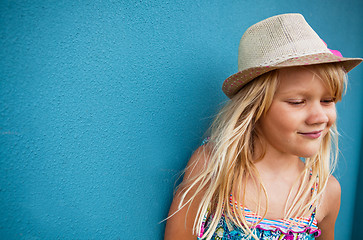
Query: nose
(317, 114)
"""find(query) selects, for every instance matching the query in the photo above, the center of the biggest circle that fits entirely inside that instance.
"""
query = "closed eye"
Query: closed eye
(329, 100)
(297, 102)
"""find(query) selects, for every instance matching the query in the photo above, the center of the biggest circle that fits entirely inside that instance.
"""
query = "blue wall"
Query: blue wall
(103, 102)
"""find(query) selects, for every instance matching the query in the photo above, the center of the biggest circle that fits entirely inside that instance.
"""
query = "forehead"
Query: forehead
(299, 79)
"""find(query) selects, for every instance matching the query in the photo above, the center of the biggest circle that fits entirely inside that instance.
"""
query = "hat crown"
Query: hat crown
(277, 39)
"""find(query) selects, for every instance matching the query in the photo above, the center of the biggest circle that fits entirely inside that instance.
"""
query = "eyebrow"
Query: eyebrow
(302, 92)
(297, 91)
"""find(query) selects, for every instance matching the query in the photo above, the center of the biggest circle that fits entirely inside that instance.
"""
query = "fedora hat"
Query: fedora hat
(280, 41)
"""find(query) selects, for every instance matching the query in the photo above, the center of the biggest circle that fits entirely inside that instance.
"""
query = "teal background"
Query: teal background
(103, 102)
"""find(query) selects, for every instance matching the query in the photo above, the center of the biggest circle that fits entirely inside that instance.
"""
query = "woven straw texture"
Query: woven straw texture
(280, 41)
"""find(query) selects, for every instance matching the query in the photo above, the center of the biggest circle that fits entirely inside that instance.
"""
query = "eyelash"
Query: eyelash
(331, 100)
(296, 103)
(327, 101)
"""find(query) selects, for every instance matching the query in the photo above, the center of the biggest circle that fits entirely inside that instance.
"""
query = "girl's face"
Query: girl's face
(301, 113)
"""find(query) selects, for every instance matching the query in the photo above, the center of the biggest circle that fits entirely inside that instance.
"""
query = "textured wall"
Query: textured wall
(102, 103)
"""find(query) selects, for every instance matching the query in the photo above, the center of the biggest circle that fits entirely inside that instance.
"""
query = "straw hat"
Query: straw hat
(281, 41)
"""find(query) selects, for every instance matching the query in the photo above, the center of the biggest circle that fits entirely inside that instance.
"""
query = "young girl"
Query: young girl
(265, 171)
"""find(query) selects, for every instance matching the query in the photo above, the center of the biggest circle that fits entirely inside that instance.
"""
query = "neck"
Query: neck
(277, 163)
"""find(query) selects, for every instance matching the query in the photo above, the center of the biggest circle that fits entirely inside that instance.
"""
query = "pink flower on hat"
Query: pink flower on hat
(335, 52)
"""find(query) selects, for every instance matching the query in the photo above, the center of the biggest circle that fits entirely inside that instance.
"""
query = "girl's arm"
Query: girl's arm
(331, 205)
(180, 226)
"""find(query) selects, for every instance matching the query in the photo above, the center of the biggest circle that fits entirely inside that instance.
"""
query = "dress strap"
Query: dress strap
(312, 217)
(314, 189)
(204, 224)
(205, 141)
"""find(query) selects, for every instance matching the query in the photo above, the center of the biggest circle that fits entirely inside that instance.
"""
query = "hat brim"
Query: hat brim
(235, 82)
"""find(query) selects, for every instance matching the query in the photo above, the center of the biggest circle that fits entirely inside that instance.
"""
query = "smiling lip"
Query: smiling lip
(312, 135)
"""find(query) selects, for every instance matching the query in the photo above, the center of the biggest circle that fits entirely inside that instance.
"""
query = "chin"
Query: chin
(308, 154)
(308, 151)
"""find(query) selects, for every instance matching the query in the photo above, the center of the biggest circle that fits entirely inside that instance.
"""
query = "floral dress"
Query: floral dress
(280, 229)
(267, 229)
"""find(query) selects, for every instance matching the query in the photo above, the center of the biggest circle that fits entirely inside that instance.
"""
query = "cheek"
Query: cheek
(332, 115)
(286, 119)
(279, 122)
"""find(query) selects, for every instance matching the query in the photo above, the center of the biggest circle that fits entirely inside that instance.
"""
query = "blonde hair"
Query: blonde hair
(232, 144)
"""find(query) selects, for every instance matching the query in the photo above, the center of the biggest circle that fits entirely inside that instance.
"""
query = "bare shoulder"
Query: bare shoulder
(333, 187)
(330, 206)
(331, 198)
(332, 195)
(198, 161)
(181, 221)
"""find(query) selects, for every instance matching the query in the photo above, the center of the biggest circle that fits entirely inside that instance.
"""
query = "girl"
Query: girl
(265, 172)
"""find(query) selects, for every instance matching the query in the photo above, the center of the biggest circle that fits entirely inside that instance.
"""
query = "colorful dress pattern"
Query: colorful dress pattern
(280, 229)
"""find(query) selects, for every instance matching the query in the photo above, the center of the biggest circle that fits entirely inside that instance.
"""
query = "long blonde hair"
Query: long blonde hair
(233, 136)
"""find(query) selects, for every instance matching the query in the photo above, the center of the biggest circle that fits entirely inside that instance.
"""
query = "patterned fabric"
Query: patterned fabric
(280, 229)
(266, 230)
